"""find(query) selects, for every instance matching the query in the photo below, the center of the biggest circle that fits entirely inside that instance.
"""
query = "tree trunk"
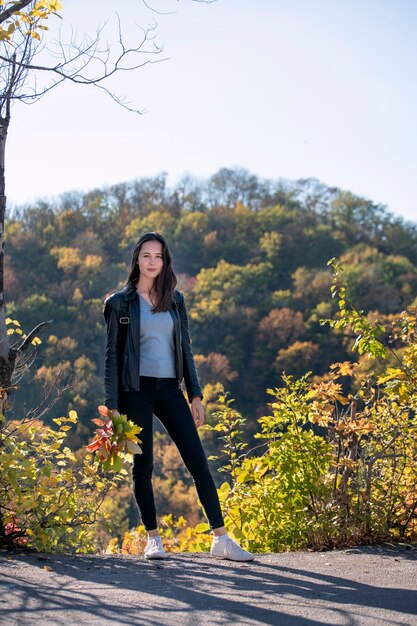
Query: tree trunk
(7, 358)
(4, 341)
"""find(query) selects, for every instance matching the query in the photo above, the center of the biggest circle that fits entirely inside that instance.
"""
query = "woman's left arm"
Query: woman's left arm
(190, 373)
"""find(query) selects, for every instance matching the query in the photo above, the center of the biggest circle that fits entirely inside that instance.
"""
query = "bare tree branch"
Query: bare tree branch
(17, 6)
(76, 57)
(148, 6)
(38, 329)
(151, 8)
(46, 404)
(48, 401)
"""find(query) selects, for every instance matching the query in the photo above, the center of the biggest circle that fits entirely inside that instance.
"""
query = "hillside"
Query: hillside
(251, 258)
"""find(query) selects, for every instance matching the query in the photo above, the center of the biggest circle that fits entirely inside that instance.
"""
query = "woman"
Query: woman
(148, 354)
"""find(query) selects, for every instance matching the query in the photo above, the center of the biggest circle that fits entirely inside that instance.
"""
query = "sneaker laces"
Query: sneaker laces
(154, 543)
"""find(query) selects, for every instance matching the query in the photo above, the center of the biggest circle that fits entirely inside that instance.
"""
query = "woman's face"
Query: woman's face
(150, 259)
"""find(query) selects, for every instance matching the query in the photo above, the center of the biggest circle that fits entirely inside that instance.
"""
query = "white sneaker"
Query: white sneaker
(154, 549)
(229, 549)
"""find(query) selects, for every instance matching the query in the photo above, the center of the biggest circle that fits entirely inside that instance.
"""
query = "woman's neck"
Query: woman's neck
(145, 286)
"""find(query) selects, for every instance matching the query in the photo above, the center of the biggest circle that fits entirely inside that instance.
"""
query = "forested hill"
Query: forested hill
(251, 259)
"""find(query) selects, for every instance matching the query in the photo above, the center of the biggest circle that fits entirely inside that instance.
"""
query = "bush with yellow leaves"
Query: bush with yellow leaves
(176, 536)
(50, 498)
(338, 465)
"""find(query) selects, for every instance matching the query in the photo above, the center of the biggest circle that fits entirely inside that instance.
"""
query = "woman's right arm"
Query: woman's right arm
(111, 382)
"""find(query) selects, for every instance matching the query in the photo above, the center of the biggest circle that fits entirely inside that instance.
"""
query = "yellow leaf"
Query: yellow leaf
(391, 373)
(244, 477)
(202, 528)
(346, 369)
(133, 430)
(72, 416)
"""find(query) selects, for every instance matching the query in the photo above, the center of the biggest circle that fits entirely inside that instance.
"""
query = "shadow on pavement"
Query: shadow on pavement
(241, 593)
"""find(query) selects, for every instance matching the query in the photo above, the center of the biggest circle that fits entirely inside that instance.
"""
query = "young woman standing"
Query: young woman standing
(148, 354)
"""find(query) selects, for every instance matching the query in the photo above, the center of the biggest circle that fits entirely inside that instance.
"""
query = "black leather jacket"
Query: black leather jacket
(125, 376)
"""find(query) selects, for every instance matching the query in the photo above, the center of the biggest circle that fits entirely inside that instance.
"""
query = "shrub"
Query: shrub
(339, 459)
(50, 498)
(176, 535)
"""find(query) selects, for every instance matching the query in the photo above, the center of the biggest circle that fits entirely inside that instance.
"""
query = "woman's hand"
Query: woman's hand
(197, 411)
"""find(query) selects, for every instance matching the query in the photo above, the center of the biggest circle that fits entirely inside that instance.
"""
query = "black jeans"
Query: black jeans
(164, 398)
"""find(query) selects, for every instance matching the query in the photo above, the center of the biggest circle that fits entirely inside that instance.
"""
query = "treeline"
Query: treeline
(251, 258)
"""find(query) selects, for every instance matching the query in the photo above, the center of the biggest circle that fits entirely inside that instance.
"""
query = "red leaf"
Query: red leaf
(94, 445)
(104, 450)
(98, 421)
(106, 431)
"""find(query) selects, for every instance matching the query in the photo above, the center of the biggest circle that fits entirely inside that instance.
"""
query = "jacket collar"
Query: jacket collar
(129, 293)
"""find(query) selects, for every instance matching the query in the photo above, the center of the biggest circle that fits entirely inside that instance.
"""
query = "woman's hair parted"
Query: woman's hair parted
(165, 282)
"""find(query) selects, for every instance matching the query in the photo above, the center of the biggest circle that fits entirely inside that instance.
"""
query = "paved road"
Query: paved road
(362, 586)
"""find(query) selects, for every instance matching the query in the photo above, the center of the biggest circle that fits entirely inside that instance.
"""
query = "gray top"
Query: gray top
(156, 342)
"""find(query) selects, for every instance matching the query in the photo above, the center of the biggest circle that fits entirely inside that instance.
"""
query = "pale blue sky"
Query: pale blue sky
(285, 88)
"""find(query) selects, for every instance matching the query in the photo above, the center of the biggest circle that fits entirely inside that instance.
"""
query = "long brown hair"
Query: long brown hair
(165, 282)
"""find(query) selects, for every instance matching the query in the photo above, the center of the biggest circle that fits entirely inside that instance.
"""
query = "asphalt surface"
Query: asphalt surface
(370, 585)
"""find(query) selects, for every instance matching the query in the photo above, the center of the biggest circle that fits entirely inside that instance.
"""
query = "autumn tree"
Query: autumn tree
(248, 300)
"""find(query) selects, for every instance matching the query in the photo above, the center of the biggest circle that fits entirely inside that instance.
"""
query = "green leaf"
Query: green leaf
(117, 463)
